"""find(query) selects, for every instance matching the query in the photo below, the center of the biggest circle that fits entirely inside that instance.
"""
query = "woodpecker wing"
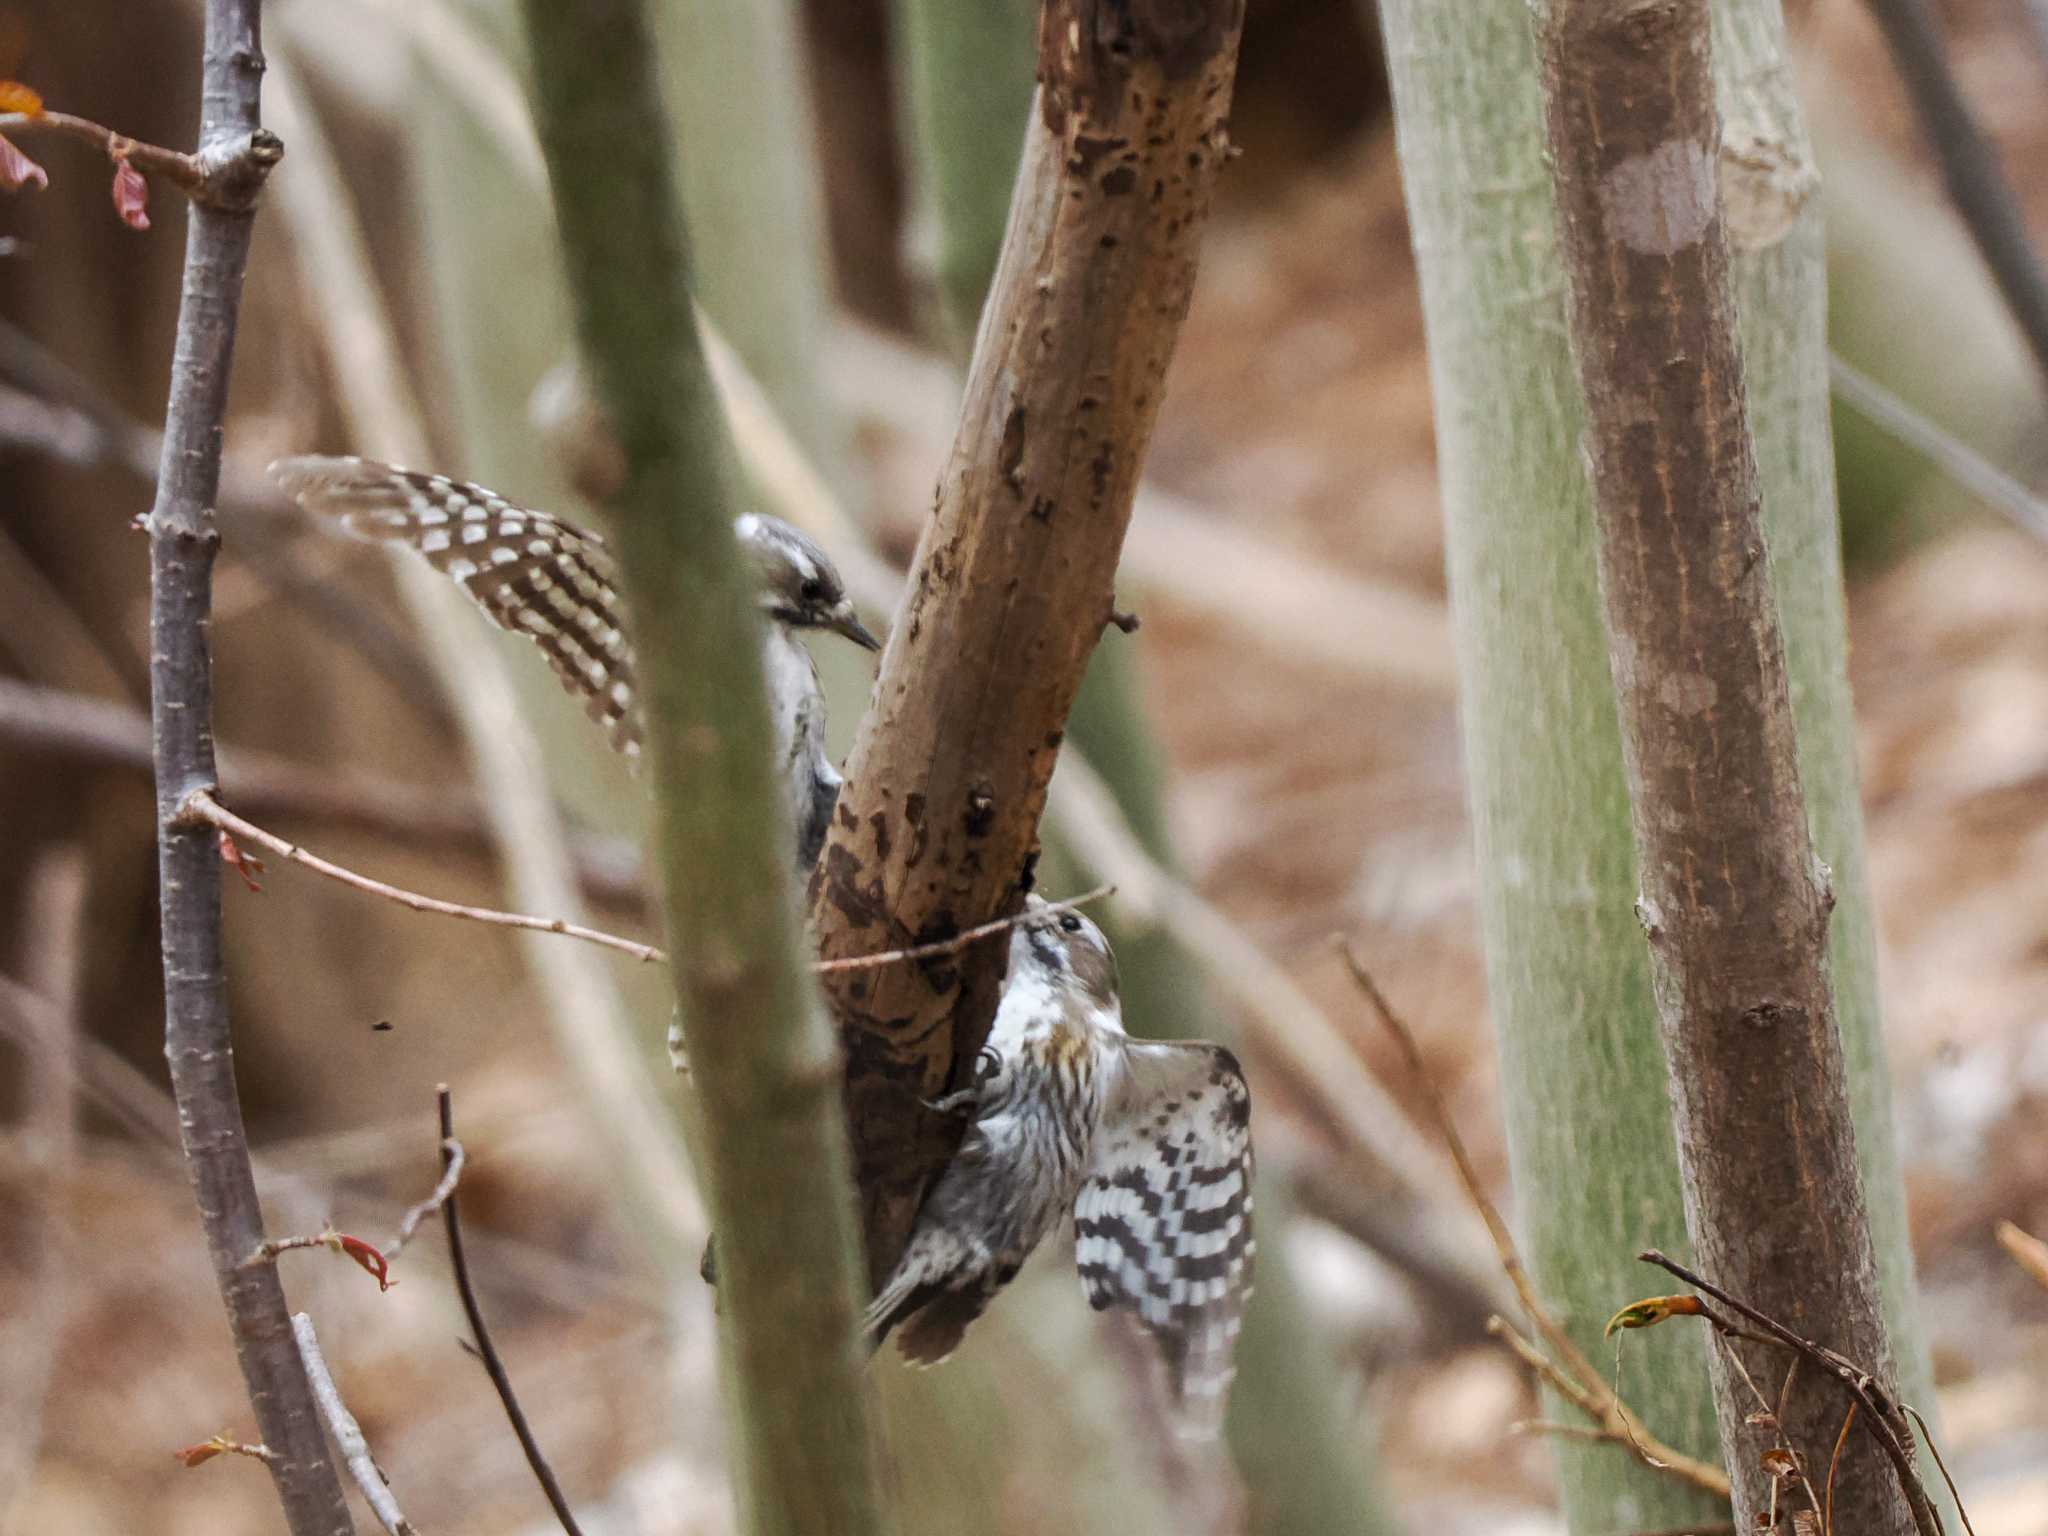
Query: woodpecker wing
(532, 573)
(1163, 1222)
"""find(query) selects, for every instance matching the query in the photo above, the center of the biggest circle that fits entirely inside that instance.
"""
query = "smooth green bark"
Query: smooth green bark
(749, 179)
(775, 1154)
(1589, 1131)
(966, 68)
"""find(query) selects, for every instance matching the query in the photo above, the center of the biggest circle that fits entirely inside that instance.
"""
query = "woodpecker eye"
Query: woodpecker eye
(1070, 922)
(812, 591)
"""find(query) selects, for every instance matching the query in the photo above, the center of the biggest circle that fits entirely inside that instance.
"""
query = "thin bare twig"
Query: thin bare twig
(1556, 1429)
(1976, 182)
(960, 940)
(1942, 1466)
(79, 728)
(184, 171)
(348, 1435)
(487, 1352)
(1576, 1380)
(1882, 1415)
(452, 1159)
(200, 806)
(1948, 453)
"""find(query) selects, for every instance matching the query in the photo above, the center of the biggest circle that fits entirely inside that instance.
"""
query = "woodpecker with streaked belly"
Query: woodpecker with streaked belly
(1146, 1143)
(543, 577)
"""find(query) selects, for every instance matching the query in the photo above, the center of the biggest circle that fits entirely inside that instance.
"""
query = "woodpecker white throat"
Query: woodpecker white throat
(1147, 1143)
(543, 577)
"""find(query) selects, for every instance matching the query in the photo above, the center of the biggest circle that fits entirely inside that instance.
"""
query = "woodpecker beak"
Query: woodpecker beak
(842, 620)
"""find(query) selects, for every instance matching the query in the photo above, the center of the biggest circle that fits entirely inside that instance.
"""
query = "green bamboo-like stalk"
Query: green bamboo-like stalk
(775, 1153)
(1589, 1131)
(967, 72)
(966, 69)
(749, 182)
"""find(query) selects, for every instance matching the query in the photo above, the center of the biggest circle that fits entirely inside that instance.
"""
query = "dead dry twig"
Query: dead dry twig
(1576, 1379)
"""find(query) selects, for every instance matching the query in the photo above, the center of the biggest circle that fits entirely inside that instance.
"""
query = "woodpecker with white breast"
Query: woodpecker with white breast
(543, 577)
(1147, 1143)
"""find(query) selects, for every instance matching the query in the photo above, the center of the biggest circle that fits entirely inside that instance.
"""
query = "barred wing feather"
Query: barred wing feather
(531, 572)
(1163, 1222)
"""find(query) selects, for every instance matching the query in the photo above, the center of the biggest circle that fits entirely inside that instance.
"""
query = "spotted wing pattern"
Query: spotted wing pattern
(532, 573)
(1163, 1222)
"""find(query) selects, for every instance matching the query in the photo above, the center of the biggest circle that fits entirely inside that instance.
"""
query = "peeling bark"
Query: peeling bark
(1014, 575)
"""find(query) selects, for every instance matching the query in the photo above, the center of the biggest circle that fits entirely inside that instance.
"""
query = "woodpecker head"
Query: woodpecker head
(1067, 949)
(799, 586)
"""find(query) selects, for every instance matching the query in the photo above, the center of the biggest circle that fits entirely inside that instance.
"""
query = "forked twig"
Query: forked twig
(452, 1159)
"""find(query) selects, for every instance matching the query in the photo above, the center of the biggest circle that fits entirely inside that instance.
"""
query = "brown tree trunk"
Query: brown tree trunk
(1733, 898)
(1014, 575)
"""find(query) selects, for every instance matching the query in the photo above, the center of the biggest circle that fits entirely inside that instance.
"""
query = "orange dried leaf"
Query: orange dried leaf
(1650, 1311)
(1780, 1463)
(16, 97)
(247, 865)
(131, 194)
(17, 170)
(221, 1445)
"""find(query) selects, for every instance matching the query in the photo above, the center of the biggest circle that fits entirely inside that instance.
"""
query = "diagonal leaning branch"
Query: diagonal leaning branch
(1014, 574)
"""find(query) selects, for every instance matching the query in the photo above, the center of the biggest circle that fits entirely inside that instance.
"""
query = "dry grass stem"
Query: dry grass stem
(1576, 1379)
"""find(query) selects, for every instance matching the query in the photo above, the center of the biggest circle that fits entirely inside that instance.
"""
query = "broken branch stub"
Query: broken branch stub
(1014, 575)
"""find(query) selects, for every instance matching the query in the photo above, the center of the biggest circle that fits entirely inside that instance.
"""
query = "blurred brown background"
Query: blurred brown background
(1313, 791)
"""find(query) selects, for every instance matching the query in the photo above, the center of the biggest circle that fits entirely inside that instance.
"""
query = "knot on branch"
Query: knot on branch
(231, 173)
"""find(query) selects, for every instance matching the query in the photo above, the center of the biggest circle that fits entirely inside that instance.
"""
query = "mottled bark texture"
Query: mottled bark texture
(1734, 901)
(183, 541)
(1013, 577)
(773, 1153)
